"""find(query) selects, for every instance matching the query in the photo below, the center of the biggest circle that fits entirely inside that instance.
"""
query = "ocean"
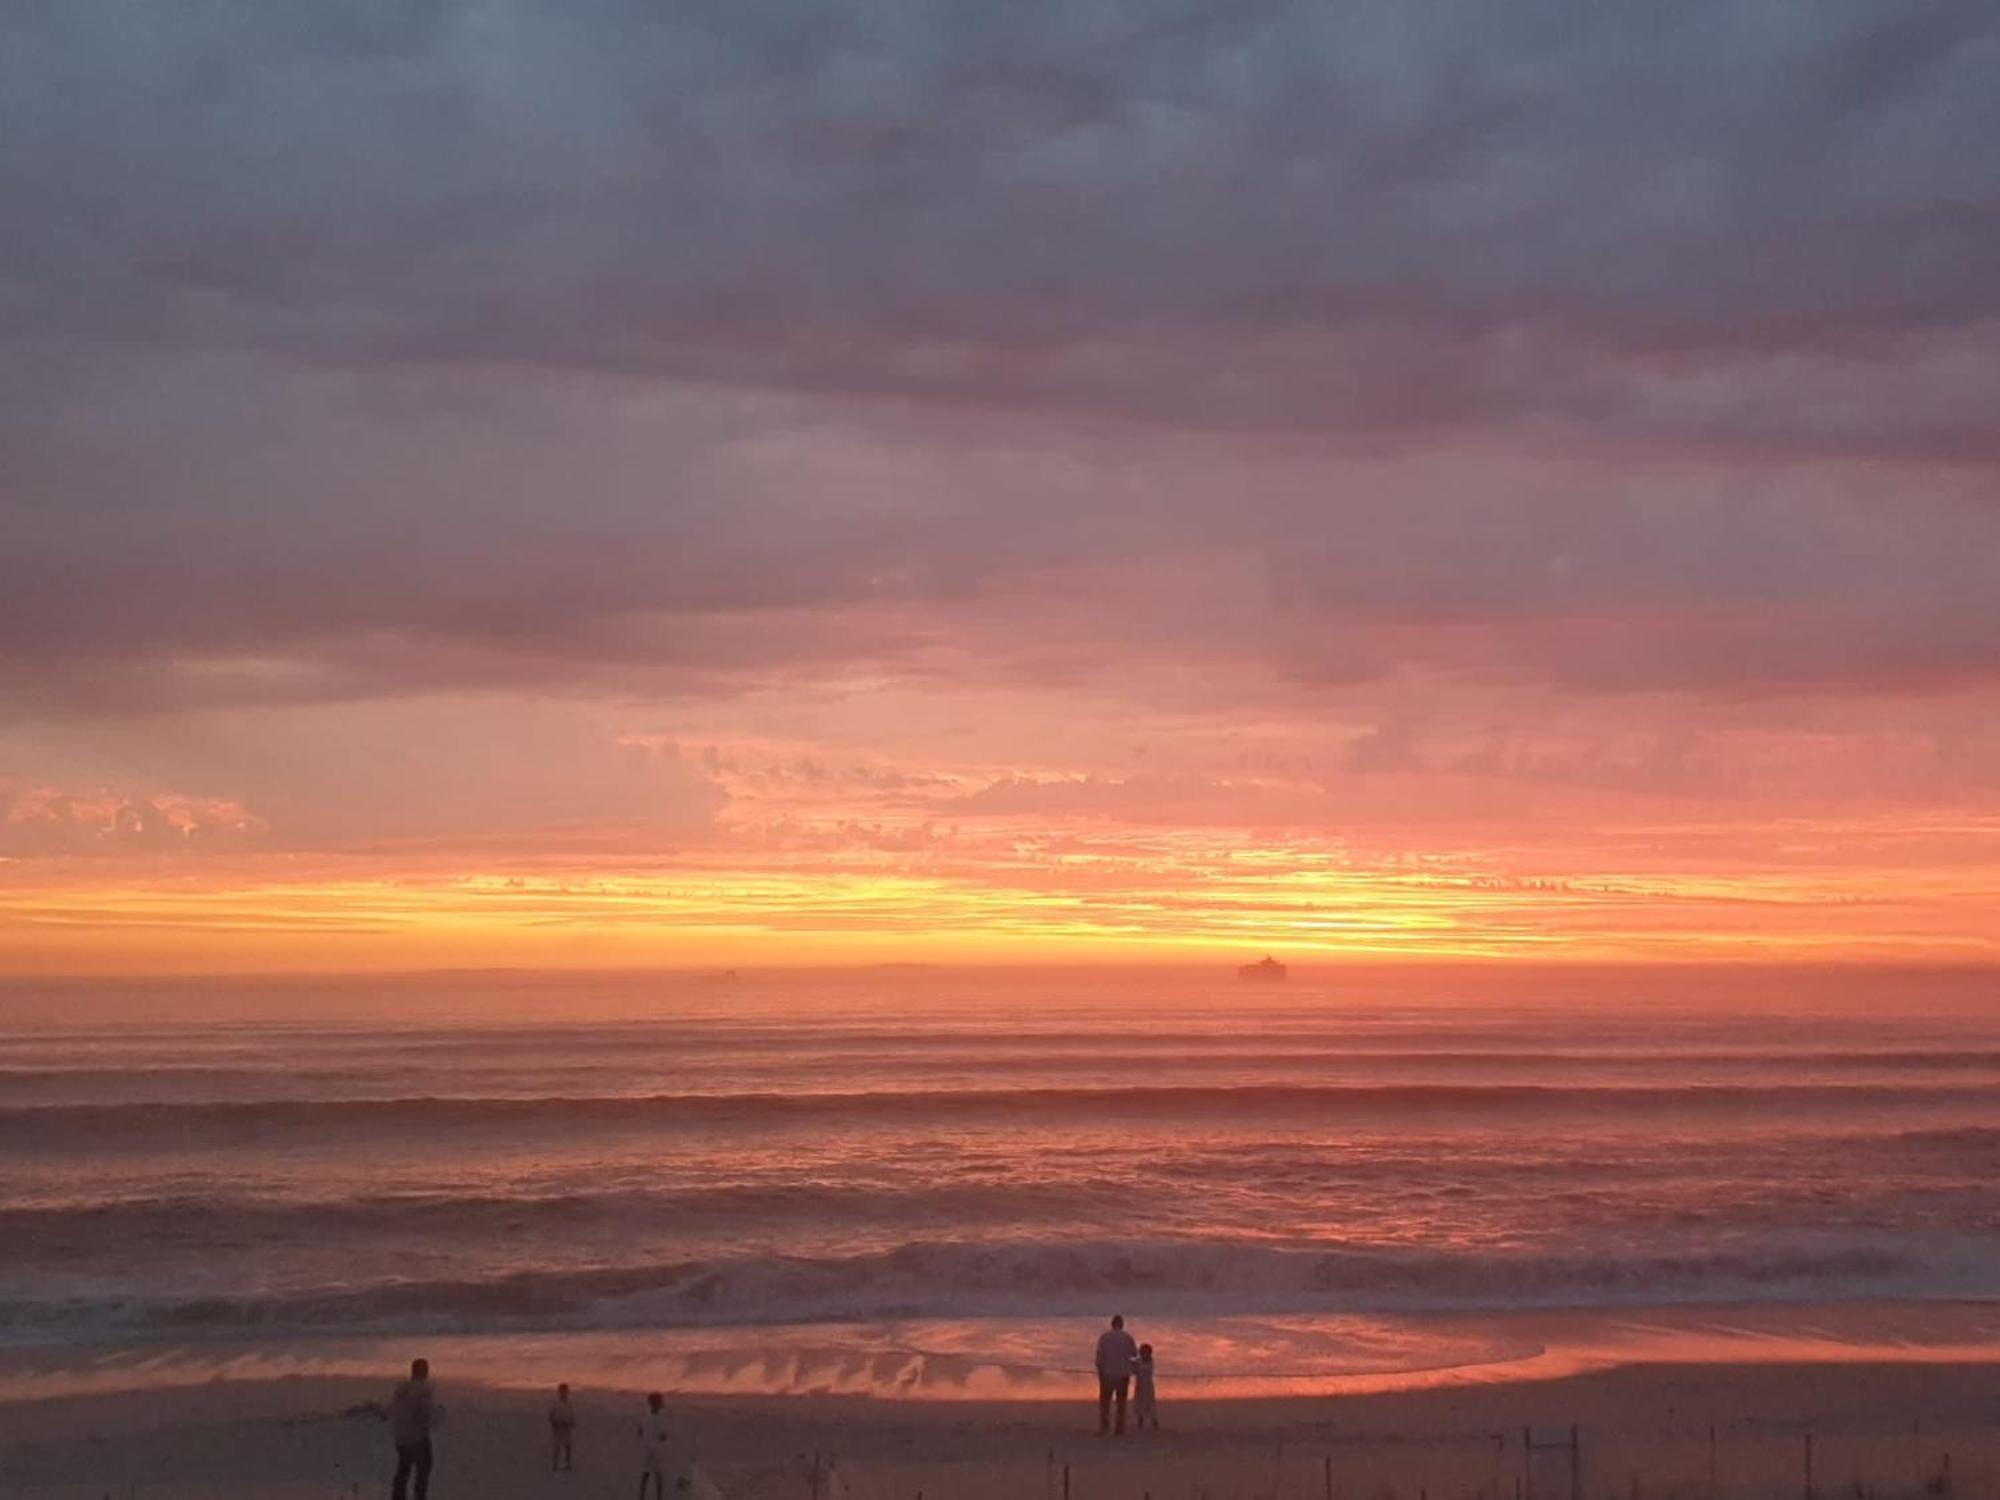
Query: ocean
(939, 1181)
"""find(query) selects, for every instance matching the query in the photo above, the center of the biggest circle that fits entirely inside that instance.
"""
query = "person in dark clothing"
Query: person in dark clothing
(562, 1431)
(412, 1411)
(1115, 1353)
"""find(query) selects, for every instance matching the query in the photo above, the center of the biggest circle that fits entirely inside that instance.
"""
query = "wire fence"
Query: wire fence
(1745, 1460)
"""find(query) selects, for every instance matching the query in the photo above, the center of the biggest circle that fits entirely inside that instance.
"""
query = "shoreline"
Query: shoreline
(1646, 1430)
(953, 1362)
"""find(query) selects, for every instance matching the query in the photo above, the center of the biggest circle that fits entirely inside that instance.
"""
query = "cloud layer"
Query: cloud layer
(1350, 420)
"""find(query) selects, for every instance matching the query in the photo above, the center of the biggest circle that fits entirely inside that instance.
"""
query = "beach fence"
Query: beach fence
(826, 1479)
(1567, 1450)
(1682, 1459)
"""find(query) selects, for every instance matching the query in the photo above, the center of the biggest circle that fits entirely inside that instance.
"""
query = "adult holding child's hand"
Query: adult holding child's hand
(1115, 1353)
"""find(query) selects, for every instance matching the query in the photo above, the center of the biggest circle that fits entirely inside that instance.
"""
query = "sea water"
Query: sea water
(937, 1180)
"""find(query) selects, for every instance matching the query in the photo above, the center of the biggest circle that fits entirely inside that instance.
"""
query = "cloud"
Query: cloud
(1272, 214)
(1205, 362)
(490, 772)
(323, 541)
(1181, 800)
(44, 821)
(950, 466)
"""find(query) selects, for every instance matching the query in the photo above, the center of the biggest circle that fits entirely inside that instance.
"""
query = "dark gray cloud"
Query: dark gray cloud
(1260, 213)
(608, 347)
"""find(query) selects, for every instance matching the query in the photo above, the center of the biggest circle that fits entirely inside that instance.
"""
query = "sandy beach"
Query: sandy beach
(1643, 1431)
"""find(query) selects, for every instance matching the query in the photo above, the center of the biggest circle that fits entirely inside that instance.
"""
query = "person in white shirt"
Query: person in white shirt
(1115, 1353)
(1145, 1401)
(654, 1436)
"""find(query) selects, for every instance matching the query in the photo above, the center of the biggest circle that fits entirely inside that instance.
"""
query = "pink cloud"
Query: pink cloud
(45, 821)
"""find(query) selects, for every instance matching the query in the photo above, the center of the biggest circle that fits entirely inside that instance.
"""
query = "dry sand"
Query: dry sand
(1875, 1429)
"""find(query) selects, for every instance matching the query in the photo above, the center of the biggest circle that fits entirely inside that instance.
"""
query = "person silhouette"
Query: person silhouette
(1145, 1396)
(562, 1431)
(412, 1412)
(654, 1436)
(1115, 1353)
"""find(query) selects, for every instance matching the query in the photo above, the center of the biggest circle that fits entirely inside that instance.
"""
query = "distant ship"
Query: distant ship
(1266, 968)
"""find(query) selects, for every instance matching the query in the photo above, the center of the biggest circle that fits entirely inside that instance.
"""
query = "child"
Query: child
(562, 1427)
(1145, 1406)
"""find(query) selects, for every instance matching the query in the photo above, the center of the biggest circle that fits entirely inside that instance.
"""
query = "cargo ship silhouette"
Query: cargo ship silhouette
(1266, 967)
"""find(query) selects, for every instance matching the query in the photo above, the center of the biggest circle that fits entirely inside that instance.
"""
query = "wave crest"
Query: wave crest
(949, 1279)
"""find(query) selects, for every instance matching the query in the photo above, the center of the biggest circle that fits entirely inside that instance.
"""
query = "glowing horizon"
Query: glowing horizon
(1005, 889)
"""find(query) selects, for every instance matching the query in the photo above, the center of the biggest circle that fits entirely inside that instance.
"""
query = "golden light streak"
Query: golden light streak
(1008, 892)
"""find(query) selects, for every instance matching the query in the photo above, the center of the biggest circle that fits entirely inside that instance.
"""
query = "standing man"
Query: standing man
(562, 1430)
(1115, 1353)
(411, 1413)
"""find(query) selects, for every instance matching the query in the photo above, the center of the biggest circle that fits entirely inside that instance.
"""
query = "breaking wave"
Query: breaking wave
(52, 1122)
(944, 1279)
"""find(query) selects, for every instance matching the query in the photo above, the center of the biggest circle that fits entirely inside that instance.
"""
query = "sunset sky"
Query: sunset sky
(611, 484)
